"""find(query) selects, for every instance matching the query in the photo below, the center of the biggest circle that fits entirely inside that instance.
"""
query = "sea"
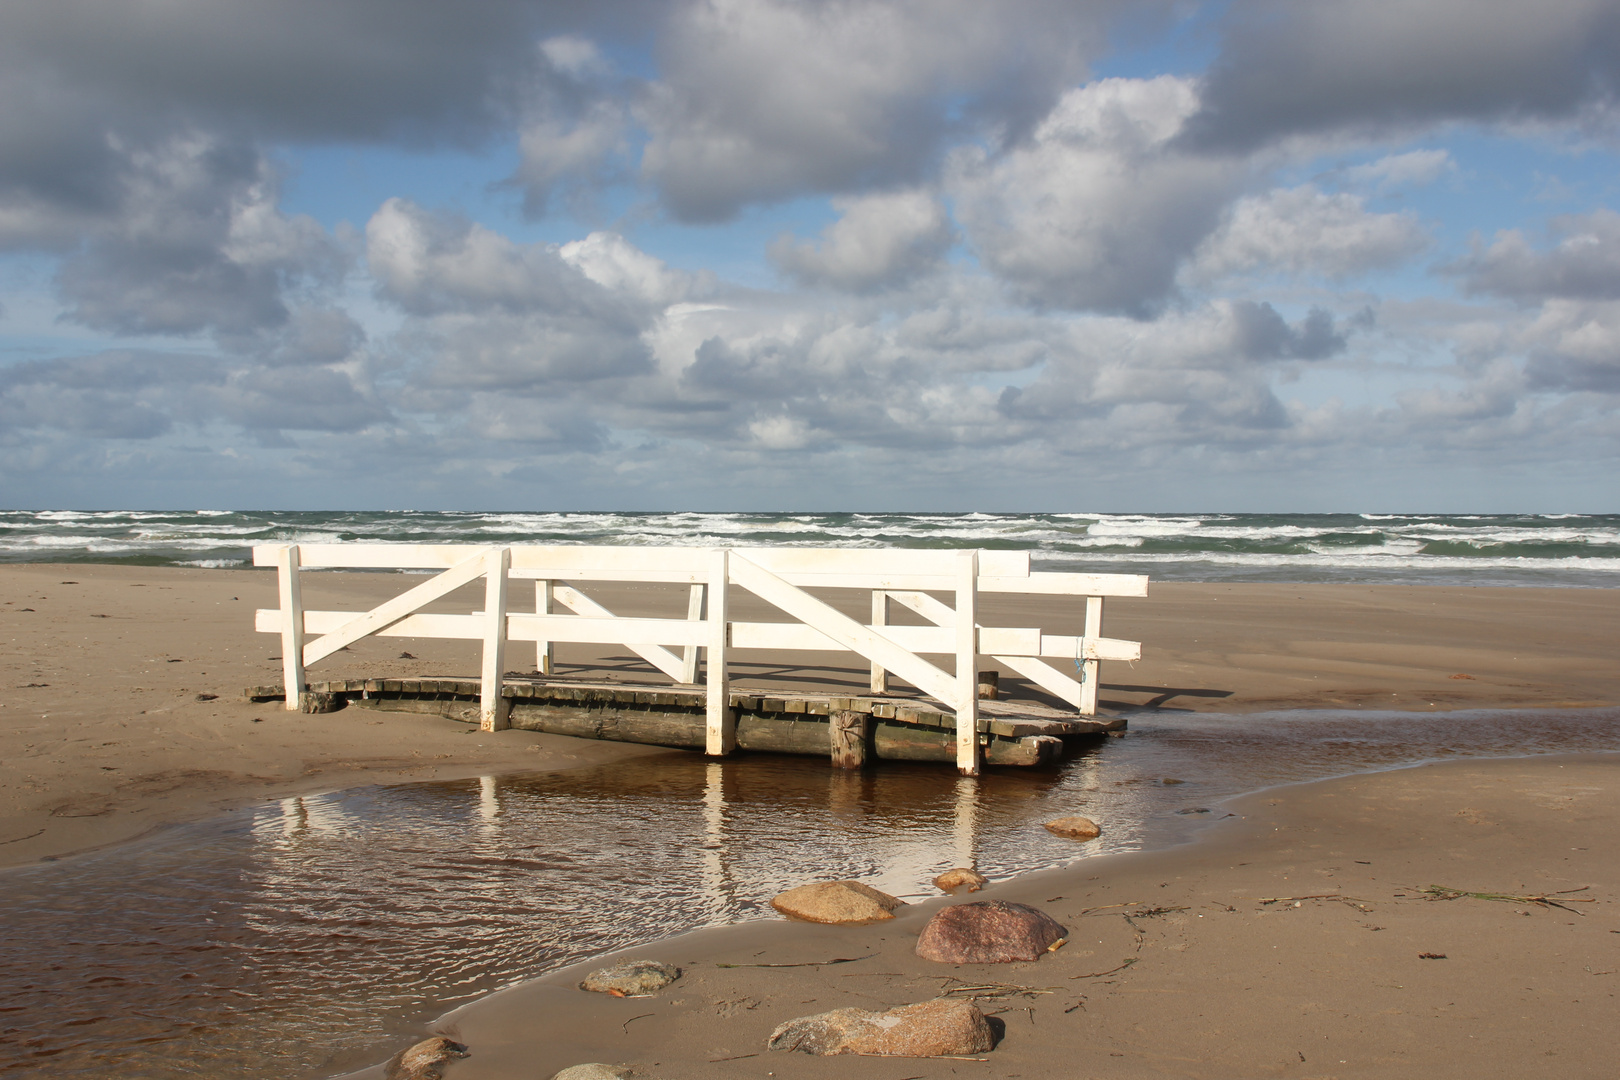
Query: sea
(1571, 550)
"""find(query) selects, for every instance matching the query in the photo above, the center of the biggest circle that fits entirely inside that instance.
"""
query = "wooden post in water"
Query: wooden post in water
(850, 732)
(967, 665)
(492, 707)
(721, 724)
(880, 617)
(292, 626)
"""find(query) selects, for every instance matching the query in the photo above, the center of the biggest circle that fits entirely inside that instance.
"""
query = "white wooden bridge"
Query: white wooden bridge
(783, 577)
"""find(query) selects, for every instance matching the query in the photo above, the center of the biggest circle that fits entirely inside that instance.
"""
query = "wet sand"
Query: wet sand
(105, 733)
(1294, 940)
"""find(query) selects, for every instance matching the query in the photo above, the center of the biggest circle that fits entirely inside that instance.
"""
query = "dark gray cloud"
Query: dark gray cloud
(1287, 68)
(1262, 334)
(124, 394)
(1584, 264)
(198, 244)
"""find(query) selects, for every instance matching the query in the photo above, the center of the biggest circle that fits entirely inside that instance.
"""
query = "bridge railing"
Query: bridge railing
(780, 576)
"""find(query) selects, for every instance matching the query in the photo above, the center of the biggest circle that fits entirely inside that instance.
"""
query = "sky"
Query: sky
(1048, 255)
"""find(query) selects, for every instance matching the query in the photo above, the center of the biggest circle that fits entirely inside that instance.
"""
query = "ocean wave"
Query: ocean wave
(1544, 549)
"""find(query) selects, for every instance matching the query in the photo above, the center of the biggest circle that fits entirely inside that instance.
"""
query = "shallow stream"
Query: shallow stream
(319, 934)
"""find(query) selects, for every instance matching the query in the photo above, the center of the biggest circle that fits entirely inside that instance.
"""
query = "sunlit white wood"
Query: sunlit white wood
(656, 655)
(1093, 669)
(967, 664)
(880, 618)
(1065, 646)
(899, 568)
(720, 722)
(917, 639)
(520, 626)
(292, 624)
(544, 656)
(395, 609)
(1054, 645)
(841, 628)
(1049, 679)
(1045, 584)
(696, 602)
(492, 707)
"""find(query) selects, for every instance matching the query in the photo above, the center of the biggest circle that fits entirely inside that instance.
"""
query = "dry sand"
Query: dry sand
(105, 734)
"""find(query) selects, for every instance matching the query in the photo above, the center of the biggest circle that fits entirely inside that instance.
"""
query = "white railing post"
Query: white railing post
(880, 617)
(543, 655)
(967, 665)
(492, 707)
(721, 726)
(292, 625)
(696, 604)
(1092, 668)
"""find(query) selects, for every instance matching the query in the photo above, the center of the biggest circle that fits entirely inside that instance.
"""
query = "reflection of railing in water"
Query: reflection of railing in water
(779, 576)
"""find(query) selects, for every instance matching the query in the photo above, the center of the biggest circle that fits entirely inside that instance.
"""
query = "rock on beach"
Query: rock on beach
(1075, 828)
(989, 932)
(926, 1029)
(837, 902)
(961, 878)
(422, 1061)
(638, 978)
(593, 1070)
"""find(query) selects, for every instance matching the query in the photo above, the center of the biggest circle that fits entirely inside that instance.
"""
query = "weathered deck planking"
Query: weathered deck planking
(792, 722)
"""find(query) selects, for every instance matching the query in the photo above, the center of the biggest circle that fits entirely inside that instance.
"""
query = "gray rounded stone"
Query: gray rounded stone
(637, 978)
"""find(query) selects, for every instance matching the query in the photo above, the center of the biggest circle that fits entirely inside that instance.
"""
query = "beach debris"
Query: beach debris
(837, 902)
(407, 656)
(961, 878)
(592, 1070)
(1075, 828)
(940, 1028)
(1564, 899)
(1431, 956)
(422, 1061)
(989, 932)
(207, 697)
(1129, 960)
(997, 990)
(1461, 676)
(806, 963)
(636, 978)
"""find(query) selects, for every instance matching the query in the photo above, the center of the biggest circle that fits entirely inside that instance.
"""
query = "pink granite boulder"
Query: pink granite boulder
(989, 932)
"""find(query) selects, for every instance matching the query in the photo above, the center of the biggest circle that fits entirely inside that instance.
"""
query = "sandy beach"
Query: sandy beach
(105, 733)
(121, 712)
(1295, 940)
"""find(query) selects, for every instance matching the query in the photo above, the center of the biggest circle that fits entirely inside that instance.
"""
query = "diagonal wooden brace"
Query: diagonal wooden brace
(396, 609)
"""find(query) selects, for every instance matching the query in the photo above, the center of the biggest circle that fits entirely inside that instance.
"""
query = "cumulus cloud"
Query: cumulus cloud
(1287, 68)
(197, 243)
(1575, 346)
(493, 313)
(879, 241)
(1304, 230)
(1584, 264)
(762, 100)
(1415, 168)
(1097, 211)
